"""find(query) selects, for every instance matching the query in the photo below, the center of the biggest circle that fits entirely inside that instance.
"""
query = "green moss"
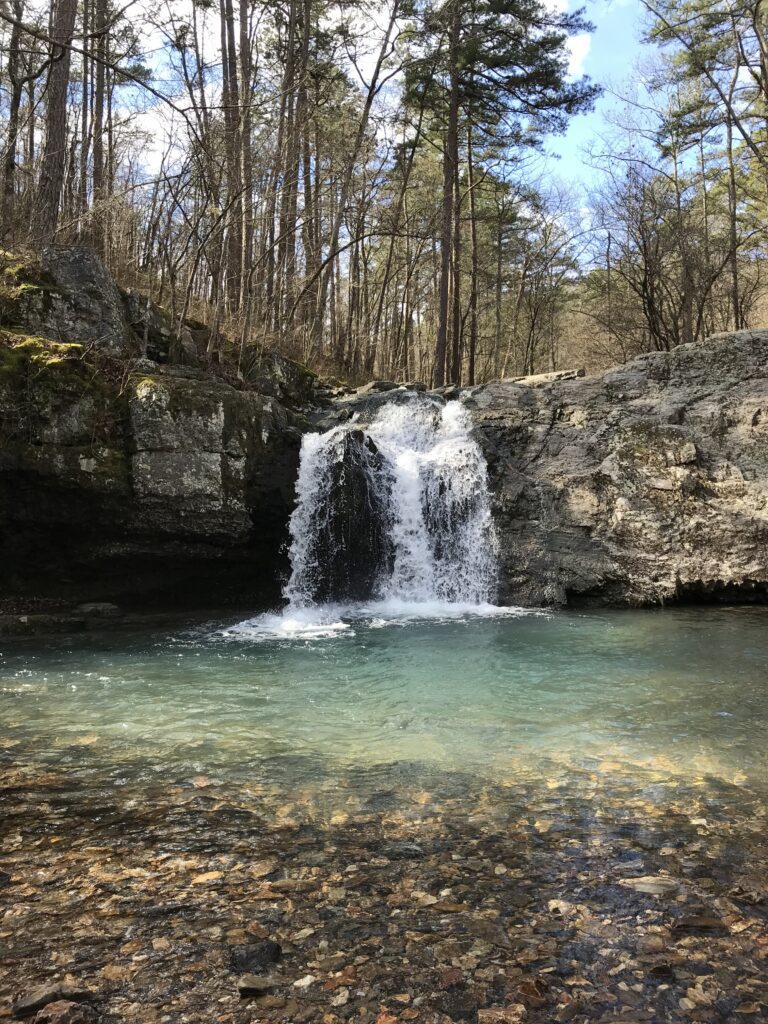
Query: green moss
(304, 369)
(12, 364)
(19, 279)
(24, 354)
(39, 378)
(17, 269)
(29, 286)
(47, 353)
(140, 380)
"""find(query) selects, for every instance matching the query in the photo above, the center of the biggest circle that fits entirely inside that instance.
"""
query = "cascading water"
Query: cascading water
(395, 510)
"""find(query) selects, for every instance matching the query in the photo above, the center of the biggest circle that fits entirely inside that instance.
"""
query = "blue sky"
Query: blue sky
(608, 58)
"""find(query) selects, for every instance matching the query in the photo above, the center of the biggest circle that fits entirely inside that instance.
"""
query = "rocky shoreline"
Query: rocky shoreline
(613, 895)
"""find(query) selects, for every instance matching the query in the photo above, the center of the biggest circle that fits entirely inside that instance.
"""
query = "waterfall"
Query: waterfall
(394, 509)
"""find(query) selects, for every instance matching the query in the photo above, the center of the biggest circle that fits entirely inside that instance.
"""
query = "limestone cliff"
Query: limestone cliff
(124, 478)
(643, 485)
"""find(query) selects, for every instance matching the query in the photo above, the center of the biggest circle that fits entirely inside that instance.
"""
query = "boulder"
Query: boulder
(75, 300)
(271, 374)
(157, 334)
(377, 385)
(534, 380)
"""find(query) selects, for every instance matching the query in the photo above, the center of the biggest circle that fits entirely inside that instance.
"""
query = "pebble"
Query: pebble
(254, 956)
(653, 885)
(305, 982)
(429, 938)
(341, 998)
(251, 984)
(403, 851)
(514, 1014)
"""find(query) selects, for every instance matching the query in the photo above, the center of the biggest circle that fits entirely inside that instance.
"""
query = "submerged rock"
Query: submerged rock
(253, 985)
(402, 851)
(254, 957)
(99, 609)
(383, 946)
(65, 1012)
(28, 1003)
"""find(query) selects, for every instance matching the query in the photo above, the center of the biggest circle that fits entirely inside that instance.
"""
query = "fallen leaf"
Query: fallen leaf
(208, 876)
(652, 885)
(514, 1014)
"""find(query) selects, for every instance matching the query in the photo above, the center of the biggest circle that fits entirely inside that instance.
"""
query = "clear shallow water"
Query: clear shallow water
(386, 694)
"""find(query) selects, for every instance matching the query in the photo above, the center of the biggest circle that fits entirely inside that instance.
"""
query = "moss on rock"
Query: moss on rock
(22, 279)
(55, 392)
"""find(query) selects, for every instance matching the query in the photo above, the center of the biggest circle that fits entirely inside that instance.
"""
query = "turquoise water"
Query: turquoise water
(378, 695)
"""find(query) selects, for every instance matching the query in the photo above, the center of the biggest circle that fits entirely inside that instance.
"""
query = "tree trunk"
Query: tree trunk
(346, 184)
(456, 322)
(46, 211)
(13, 70)
(246, 160)
(100, 27)
(473, 327)
(85, 135)
(733, 253)
(231, 102)
(450, 148)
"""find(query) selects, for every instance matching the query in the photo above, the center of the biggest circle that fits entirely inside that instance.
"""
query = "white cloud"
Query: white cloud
(578, 48)
(578, 45)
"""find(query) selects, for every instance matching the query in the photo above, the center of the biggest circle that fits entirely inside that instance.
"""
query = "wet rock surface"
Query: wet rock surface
(354, 520)
(616, 895)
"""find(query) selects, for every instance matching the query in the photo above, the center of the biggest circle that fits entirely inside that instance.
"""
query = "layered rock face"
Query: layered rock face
(162, 484)
(644, 485)
(127, 479)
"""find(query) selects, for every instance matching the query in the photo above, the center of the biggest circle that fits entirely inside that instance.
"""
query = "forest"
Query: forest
(368, 189)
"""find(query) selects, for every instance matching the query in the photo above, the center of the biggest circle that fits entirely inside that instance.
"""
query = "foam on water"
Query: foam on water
(333, 620)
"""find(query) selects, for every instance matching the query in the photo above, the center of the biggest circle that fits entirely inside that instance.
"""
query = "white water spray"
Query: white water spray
(397, 511)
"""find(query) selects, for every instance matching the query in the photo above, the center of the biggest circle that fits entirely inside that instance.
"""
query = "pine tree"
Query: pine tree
(495, 71)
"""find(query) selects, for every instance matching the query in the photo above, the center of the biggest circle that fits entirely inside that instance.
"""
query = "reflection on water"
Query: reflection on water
(391, 696)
